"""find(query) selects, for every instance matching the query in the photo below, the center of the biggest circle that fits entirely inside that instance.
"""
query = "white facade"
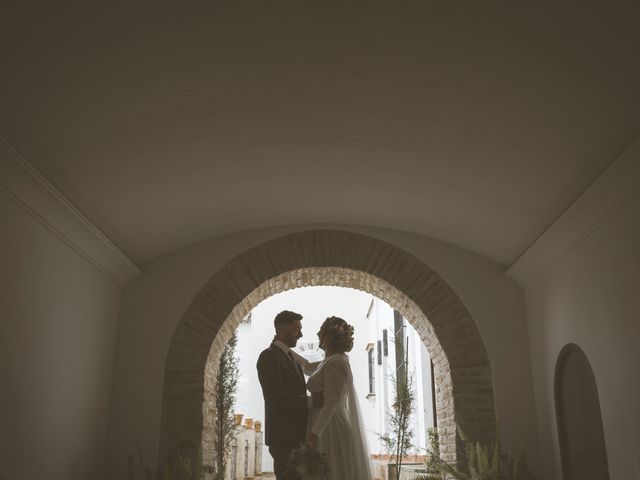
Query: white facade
(245, 458)
(370, 317)
(377, 404)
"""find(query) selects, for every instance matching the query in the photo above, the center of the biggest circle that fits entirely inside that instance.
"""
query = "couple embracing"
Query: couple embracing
(329, 420)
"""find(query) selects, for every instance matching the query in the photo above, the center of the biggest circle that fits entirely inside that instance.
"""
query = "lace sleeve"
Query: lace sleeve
(308, 367)
(335, 380)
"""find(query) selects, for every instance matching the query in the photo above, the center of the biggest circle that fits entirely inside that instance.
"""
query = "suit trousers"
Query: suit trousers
(280, 452)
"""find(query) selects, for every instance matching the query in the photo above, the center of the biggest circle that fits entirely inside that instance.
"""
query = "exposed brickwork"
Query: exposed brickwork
(464, 392)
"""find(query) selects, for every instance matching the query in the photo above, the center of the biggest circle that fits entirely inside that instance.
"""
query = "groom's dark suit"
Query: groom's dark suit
(285, 400)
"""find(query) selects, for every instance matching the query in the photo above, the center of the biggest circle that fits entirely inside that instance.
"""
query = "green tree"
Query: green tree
(435, 470)
(399, 440)
(225, 390)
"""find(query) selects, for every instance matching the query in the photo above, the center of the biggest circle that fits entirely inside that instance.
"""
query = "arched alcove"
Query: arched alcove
(582, 446)
(328, 257)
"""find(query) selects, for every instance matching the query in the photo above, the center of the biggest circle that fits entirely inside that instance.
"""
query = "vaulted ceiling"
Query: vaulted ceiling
(477, 124)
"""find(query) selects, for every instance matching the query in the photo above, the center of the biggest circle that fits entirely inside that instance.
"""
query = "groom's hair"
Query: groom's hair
(286, 317)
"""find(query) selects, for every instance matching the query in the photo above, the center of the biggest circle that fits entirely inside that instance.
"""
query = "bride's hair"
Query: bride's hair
(340, 334)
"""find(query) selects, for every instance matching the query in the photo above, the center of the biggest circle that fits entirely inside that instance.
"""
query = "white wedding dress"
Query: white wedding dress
(338, 423)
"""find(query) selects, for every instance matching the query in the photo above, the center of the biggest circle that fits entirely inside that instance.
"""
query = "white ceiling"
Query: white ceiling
(476, 124)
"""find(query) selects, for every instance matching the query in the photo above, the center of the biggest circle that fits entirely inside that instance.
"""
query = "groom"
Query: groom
(285, 393)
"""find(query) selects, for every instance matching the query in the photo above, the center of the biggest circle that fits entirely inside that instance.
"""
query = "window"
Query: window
(399, 340)
(385, 343)
(372, 370)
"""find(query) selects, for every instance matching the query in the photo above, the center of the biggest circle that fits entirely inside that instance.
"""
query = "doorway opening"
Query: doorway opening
(464, 392)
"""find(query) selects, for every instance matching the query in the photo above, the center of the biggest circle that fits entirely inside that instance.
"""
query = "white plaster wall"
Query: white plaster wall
(591, 298)
(58, 319)
(154, 302)
(377, 408)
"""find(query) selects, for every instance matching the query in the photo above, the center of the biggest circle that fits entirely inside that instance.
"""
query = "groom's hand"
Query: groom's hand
(317, 399)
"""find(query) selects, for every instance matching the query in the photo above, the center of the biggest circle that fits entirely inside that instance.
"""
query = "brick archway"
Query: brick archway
(328, 257)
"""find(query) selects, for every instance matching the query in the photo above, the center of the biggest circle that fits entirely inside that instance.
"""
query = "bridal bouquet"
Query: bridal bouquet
(309, 463)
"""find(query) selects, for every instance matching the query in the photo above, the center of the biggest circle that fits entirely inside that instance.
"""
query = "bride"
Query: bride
(336, 428)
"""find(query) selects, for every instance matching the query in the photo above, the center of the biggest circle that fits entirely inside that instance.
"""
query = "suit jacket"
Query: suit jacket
(285, 397)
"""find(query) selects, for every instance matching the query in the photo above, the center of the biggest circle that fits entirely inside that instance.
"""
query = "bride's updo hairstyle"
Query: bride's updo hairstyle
(339, 334)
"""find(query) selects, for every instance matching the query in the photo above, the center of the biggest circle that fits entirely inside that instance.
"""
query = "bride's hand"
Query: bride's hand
(312, 442)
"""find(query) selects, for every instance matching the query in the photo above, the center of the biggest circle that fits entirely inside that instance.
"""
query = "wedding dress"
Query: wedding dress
(338, 423)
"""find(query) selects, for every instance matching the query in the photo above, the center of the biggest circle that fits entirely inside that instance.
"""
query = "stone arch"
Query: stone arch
(328, 257)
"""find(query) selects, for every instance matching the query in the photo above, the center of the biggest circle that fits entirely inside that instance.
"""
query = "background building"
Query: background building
(393, 348)
(245, 458)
